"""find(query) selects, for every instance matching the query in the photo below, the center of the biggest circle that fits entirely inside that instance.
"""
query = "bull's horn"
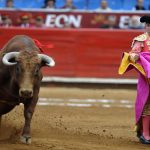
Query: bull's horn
(49, 61)
(6, 58)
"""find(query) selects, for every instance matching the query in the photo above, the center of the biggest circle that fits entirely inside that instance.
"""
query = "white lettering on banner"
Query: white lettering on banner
(59, 21)
(75, 21)
(133, 22)
(50, 20)
(124, 22)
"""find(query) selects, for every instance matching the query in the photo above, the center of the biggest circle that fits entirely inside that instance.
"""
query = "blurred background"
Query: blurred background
(89, 36)
(79, 4)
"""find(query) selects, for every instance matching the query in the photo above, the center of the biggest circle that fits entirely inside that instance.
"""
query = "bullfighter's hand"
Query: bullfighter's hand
(133, 57)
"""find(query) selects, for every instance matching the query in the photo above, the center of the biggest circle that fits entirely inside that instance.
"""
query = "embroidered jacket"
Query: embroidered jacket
(141, 43)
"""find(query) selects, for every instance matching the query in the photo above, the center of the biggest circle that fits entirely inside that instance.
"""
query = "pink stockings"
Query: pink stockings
(146, 127)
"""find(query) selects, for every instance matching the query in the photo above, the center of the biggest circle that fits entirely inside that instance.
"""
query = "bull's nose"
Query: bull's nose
(26, 93)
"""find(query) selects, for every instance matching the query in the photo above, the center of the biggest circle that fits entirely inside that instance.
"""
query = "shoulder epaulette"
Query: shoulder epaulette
(141, 37)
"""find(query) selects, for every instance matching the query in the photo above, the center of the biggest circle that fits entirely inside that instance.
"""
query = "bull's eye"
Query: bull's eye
(17, 69)
(36, 71)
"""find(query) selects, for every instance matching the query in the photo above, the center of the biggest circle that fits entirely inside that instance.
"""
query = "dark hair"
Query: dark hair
(46, 1)
(9, 1)
(145, 19)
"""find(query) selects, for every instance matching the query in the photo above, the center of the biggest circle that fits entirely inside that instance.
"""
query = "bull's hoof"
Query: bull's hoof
(25, 139)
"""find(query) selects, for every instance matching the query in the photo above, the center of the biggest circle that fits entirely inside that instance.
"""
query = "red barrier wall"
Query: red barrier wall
(81, 52)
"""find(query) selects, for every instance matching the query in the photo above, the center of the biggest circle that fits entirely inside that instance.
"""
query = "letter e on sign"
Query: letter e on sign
(50, 20)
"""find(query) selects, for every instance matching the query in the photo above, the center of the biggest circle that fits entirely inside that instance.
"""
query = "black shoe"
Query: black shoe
(143, 140)
(138, 134)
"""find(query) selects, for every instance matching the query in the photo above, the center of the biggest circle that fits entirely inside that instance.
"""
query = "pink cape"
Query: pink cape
(143, 84)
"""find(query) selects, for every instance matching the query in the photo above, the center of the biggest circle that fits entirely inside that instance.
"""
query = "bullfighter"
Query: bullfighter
(139, 59)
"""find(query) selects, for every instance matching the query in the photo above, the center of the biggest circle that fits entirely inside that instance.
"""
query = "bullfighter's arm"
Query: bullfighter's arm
(136, 49)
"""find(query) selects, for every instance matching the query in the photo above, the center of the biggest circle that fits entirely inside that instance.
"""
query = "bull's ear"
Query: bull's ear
(46, 60)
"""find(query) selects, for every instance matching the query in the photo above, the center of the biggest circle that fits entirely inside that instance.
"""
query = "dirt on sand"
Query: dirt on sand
(75, 128)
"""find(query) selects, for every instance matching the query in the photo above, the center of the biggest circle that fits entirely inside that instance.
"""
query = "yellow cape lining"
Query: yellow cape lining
(125, 62)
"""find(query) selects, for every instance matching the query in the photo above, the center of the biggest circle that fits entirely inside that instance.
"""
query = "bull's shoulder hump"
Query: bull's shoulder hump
(19, 42)
(22, 37)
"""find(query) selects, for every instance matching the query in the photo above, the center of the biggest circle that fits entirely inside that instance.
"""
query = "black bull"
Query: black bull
(20, 78)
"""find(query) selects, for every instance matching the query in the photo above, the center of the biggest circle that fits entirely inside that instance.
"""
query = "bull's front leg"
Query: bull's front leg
(28, 113)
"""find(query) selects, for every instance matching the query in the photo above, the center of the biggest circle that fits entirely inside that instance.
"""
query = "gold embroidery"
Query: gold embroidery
(148, 43)
(141, 37)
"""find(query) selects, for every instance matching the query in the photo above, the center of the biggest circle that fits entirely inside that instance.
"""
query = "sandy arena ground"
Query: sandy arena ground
(101, 126)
